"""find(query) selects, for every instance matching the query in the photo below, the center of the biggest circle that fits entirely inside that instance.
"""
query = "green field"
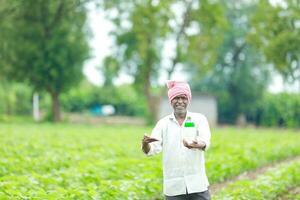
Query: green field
(66, 161)
(269, 185)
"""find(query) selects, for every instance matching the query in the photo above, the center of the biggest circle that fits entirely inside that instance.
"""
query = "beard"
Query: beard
(180, 109)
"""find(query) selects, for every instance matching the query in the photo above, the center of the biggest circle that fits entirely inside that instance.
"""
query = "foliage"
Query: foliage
(278, 110)
(110, 70)
(208, 22)
(142, 29)
(5, 25)
(247, 149)
(270, 185)
(276, 31)
(47, 45)
(124, 98)
(64, 161)
(15, 98)
(239, 76)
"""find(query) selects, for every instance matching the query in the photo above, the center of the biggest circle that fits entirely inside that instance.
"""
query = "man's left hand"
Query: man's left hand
(194, 144)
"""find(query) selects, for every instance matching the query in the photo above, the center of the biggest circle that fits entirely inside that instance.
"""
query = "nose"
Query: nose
(180, 99)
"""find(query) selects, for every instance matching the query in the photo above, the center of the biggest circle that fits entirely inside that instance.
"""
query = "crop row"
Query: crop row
(235, 151)
(99, 162)
(270, 185)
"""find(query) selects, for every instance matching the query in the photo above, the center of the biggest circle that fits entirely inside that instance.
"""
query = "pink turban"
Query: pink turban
(178, 88)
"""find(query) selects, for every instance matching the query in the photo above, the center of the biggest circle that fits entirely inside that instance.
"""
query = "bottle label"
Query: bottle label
(189, 124)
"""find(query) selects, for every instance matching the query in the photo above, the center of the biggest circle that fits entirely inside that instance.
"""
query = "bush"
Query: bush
(124, 98)
(15, 99)
(278, 110)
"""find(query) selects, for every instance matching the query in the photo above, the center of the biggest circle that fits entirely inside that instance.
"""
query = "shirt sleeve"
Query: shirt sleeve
(203, 132)
(156, 147)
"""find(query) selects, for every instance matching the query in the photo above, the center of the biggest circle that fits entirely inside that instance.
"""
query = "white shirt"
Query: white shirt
(183, 168)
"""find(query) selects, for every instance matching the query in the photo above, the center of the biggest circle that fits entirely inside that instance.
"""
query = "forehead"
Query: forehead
(181, 96)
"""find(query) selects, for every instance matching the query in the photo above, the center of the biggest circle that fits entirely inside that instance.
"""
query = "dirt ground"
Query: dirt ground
(89, 119)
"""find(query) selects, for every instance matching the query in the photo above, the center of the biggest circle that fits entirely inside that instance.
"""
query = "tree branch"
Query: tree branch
(58, 14)
(237, 53)
(63, 8)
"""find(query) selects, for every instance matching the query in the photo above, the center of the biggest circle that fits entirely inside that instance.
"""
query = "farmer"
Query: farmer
(183, 137)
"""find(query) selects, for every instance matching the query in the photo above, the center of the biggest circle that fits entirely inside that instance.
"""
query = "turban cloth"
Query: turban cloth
(176, 88)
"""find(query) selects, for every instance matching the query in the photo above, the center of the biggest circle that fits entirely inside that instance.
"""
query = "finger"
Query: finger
(153, 139)
(185, 143)
(146, 137)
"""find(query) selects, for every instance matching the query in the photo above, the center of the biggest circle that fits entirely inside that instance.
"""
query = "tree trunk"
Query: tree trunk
(241, 120)
(55, 107)
(153, 103)
(152, 100)
(35, 107)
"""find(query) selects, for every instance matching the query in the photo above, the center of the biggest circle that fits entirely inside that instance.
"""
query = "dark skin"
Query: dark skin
(179, 104)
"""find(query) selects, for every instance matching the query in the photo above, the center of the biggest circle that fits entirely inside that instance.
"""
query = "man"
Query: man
(182, 137)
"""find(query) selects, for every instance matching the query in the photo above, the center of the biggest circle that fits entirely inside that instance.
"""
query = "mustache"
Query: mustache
(180, 106)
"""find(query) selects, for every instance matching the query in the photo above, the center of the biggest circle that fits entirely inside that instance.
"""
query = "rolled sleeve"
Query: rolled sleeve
(156, 147)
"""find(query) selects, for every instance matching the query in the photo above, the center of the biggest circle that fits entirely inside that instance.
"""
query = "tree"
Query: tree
(239, 76)
(48, 45)
(143, 27)
(140, 41)
(276, 31)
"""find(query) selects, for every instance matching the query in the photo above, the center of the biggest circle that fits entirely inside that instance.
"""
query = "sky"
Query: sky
(101, 43)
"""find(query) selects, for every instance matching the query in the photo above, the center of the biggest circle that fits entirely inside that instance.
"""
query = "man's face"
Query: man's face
(179, 104)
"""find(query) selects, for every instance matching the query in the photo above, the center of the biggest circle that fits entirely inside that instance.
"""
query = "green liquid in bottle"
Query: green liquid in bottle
(189, 123)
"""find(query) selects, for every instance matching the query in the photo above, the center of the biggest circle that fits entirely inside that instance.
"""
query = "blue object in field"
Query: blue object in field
(103, 110)
(96, 110)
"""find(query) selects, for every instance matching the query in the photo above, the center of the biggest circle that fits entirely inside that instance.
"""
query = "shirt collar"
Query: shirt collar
(172, 116)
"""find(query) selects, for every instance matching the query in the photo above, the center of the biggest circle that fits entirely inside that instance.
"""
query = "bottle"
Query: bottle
(189, 131)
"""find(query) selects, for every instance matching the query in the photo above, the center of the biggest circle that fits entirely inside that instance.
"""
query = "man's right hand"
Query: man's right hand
(145, 143)
(147, 139)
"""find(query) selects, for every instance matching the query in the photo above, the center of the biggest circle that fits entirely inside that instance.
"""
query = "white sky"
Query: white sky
(101, 44)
